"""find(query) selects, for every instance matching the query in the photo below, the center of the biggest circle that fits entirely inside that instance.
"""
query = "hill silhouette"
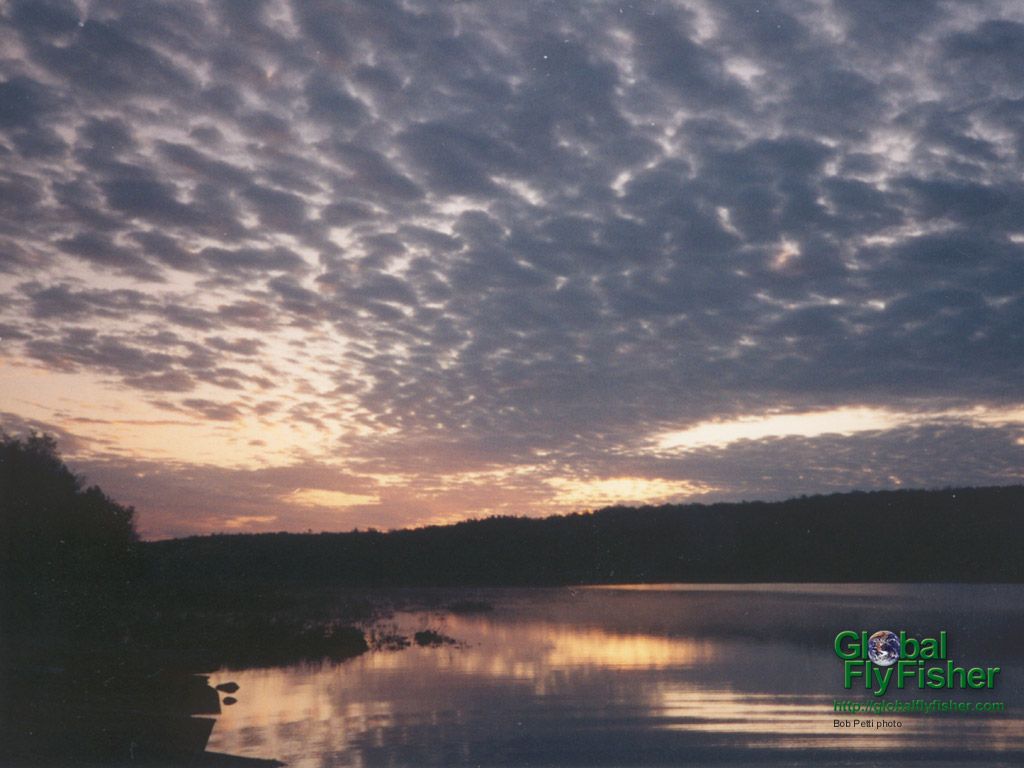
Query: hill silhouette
(963, 534)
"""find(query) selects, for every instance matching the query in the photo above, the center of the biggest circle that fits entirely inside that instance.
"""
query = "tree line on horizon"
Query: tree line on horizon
(963, 534)
(53, 527)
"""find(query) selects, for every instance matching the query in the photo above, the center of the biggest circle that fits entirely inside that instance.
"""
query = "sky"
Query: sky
(300, 266)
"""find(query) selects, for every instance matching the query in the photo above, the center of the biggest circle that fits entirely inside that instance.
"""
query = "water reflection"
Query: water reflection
(684, 675)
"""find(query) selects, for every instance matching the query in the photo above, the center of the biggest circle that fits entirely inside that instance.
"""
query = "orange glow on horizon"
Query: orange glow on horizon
(622, 490)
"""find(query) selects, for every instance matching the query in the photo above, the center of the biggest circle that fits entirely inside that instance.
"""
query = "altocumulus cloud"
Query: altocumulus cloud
(305, 264)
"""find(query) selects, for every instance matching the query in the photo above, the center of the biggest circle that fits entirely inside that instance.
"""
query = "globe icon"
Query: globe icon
(884, 648)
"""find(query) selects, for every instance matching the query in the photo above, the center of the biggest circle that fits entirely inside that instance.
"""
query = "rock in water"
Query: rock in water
(228, 687)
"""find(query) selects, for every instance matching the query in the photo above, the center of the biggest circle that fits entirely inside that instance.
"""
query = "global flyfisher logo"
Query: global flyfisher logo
(885, 658)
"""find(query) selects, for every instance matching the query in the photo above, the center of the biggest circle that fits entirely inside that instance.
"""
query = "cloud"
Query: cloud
(102, 252)
(438, 240)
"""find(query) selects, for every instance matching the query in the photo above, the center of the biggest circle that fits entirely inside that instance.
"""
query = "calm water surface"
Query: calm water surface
(662, 675)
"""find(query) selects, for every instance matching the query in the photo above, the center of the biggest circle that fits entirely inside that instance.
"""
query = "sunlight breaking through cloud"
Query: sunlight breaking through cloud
(837, 421)
(319, 497)
(590, 494)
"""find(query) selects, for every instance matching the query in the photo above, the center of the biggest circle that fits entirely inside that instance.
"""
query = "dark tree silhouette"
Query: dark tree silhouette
(961, 534)
(51, 525)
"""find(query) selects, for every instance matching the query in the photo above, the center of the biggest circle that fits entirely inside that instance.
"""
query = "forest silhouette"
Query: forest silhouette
(963, 534)
(52, 525)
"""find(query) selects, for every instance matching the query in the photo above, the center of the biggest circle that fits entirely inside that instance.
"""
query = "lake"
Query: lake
(653, 675)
